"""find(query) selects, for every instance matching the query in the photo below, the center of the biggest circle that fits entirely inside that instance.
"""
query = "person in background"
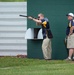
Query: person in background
(70, 36)
(47, 35)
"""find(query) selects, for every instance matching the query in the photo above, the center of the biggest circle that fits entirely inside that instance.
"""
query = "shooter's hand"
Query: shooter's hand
(30, 17)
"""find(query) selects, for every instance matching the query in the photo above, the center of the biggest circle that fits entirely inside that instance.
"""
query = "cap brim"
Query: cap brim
(69, 15)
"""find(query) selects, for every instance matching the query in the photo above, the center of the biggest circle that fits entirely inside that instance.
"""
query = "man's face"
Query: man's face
(40, 17)
(70, 17)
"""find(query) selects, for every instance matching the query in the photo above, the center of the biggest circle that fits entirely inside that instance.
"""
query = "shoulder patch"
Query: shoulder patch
(44, 23)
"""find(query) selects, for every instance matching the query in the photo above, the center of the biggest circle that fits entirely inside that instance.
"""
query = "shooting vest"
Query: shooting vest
(46, 28)
(69, 26)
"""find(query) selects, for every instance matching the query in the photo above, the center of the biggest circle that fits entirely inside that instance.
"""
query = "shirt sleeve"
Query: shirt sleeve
(72, 22)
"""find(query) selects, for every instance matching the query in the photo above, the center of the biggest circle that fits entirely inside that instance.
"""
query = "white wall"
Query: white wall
(12, 28)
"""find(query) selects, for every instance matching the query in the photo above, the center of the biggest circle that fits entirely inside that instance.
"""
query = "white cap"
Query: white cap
(70, 14)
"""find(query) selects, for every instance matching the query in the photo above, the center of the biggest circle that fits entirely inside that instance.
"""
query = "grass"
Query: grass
(25, 66)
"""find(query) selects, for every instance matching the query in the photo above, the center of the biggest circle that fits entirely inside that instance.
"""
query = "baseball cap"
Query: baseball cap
(70, 14)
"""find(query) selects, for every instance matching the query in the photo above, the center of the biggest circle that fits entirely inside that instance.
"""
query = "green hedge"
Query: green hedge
(12, 0)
